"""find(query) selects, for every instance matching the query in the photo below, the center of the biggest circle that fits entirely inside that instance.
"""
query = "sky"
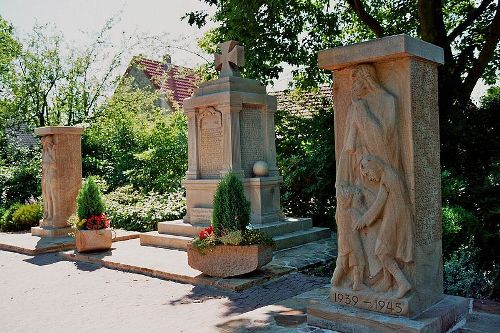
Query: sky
(75, 17)
(150, 17)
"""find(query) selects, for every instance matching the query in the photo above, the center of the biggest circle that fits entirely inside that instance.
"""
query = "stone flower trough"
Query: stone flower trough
(229, 260)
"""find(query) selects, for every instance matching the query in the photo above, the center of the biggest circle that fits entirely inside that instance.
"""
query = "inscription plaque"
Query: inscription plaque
(211, 144)
(251, 139)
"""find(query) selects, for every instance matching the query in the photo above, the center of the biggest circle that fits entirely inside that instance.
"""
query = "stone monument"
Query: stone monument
(387, 181)
(231, 128)
(61, 178)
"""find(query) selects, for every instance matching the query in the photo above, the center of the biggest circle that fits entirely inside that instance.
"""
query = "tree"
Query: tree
(9, 49)
(56, 84)
(293, 31)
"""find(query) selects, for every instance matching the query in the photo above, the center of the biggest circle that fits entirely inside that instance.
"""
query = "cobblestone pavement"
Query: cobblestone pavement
(46, 293)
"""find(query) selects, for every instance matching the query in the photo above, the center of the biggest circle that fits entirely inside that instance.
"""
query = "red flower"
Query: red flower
(207, 232)
(96, 222)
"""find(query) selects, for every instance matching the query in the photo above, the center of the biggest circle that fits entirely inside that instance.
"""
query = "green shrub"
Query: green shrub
(231, 208)
(89, 200)
(27, 216)
(458, 223)
(463, 277)
(130, 209)
(20, 180)
(306, 159)
(6, 223)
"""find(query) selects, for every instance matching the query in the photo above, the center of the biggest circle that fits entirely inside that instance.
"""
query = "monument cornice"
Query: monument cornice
(380, 50)
(49, 130)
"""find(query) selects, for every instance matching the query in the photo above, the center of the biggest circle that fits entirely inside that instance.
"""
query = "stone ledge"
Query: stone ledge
(440, 317)
(26, 243)
(41, 131)
(381, 49)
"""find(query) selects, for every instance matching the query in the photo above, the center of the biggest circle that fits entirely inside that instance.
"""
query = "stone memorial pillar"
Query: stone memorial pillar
(61, 178)
(388, 185)
(231, 127)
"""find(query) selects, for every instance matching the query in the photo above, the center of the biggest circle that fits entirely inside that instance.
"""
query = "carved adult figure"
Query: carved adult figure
(48, 176)
(350, 250)
(392, 210)
(370, 126)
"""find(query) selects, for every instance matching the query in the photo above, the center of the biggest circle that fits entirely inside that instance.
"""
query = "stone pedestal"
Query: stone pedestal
(61, 178)
(231, 127)
(388, 175)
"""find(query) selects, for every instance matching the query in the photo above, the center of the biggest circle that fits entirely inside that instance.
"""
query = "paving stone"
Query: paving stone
(25, 243)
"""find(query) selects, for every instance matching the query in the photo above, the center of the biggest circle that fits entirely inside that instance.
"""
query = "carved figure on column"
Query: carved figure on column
(48, 175)
(392, 210)
(350, 250)
(374, 219)
(370, 126)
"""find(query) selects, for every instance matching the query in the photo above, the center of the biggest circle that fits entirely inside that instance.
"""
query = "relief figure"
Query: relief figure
(48, 176)
(370, 126)
(350, 250)
(374, 218)
(392, 210)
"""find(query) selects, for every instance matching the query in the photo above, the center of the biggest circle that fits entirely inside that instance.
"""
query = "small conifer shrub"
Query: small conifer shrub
(90, 208)
(89, 200)
(231, 207)
(230, 219)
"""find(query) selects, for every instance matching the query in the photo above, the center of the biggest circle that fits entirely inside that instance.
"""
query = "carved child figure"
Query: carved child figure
(391, 208)
(350, 250)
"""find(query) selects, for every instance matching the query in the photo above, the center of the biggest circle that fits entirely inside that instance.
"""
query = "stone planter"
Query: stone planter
(93, 240)
(229, 260)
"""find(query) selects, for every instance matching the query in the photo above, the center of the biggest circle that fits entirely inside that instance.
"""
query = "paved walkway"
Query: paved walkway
(46, 293)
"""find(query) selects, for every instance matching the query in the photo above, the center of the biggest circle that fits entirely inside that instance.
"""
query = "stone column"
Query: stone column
(61, 178)
(388, 191)
(388, 173)
(193, 168)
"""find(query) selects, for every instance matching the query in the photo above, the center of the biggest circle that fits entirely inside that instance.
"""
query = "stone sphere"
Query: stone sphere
(261, 169)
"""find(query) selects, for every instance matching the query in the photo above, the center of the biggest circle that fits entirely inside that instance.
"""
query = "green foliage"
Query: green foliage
(234, 237)
(20, 177)
(464, 277)
(254, 237)
(89, 201)
(231, 208)
(130, 209)
(54, 83)
(458, 224)
(293, 31)
(132, 141)
(305, 151)
(6, 223)
(9, 49)
(27, 216)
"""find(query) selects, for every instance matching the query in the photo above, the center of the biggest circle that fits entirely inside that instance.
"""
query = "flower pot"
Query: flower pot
(93, 240)
(229, 260)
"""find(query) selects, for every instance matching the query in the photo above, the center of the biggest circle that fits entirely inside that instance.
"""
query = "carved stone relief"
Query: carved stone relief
(49, 176)
(374, 215)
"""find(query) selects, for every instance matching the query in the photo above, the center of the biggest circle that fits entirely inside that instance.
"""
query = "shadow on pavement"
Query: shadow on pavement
(256, 297)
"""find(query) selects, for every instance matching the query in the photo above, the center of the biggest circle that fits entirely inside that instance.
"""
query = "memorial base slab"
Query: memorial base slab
(440, 317)
(50, 232)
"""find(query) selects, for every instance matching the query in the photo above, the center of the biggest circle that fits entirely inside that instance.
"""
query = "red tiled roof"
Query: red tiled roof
(176, 81)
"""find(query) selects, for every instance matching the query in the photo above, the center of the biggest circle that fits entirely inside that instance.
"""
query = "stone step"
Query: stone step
(288, 233)
(287, 225)
(179, 228)
(154, 238)
(301, 237)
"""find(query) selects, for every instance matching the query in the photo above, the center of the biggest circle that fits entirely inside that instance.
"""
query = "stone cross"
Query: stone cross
(231, 59)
